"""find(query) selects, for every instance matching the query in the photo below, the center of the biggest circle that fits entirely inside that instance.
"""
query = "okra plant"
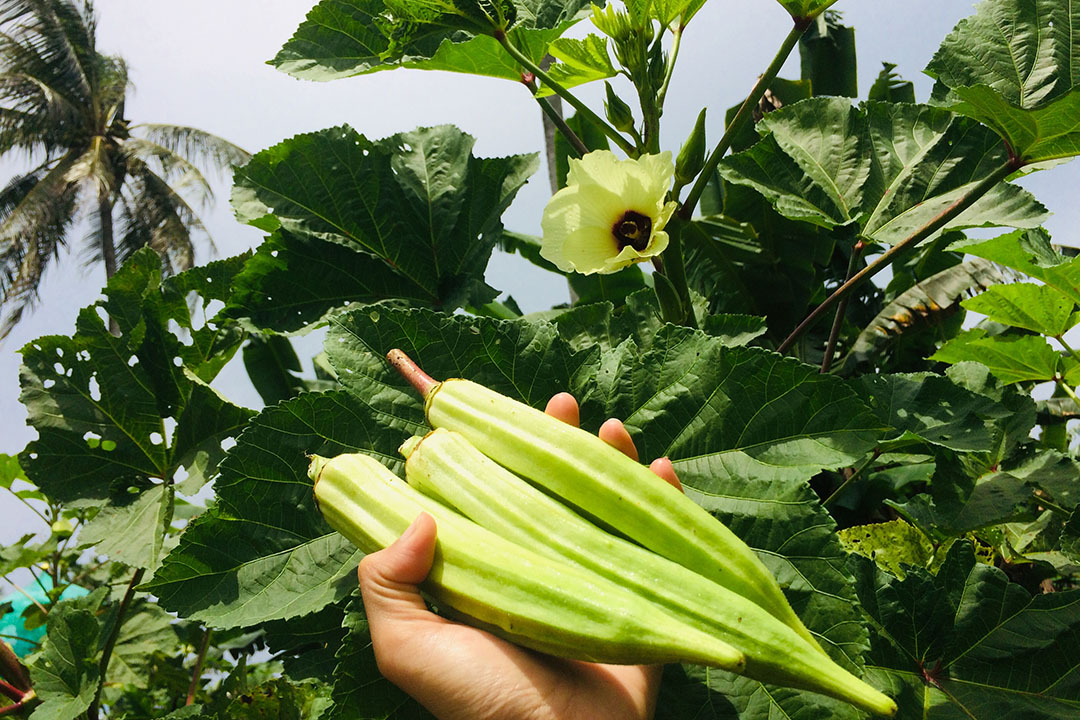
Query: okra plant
(841, 319)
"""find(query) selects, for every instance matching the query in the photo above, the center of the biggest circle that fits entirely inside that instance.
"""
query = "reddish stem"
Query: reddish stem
(12, 709)
(409, 370)
(11, 691)
(11, 669)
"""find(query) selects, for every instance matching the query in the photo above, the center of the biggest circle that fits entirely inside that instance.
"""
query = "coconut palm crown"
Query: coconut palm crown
(62, 110)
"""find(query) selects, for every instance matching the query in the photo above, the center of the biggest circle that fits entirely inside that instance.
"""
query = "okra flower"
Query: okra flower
(610, 214)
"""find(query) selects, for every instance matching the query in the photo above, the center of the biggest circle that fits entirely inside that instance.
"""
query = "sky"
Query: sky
(203, 63)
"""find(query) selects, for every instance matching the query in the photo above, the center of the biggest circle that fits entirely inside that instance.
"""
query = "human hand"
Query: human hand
(462, 673)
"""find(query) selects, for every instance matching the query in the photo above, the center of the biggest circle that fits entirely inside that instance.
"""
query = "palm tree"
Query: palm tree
(62, 110)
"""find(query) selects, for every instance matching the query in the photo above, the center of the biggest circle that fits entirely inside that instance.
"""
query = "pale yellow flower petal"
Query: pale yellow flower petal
(607, 207)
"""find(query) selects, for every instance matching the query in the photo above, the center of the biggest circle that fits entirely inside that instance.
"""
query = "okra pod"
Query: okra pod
(549, 606)
(600, 482)
(444, 465)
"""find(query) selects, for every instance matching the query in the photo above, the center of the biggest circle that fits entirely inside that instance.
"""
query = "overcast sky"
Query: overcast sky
(203, 63)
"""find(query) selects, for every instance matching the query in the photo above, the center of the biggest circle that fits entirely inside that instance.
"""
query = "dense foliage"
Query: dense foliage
(891, 467)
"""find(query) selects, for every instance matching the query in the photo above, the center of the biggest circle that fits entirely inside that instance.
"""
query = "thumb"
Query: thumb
(389, 577)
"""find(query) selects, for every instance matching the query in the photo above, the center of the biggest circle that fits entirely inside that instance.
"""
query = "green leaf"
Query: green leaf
(65, 675)
(132, 532)
(118, 416)
(360, 691)
(1018, 418)
(889, 168)
(1012, 358)
(1030, 252)
(414, 216)
(930, 408)
(963, 506)
(806, 8)
(280, 699)
(892, 545)
(890, 87)
(10, 471)
(580, 61)
(263, 552)
(1034, 307)
(343, 38)
(146, 630)
(307, 645)
(1051, 472)
(734, 330)
(1012, 66)
(968, 643)
(827, 55)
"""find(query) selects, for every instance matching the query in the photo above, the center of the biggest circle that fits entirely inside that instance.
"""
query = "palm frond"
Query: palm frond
(60, 34)
(921, 306)
(173, 168)
(36, 211)
(152, 214)
(196, 146)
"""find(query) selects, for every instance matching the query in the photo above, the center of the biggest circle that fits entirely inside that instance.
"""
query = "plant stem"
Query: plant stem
(1061, 339)
(196, 672)
(565, 94)
(1053, 507)
(110, 642)
(21, 639)
(854, 476)
(23, 702)
(676, 39)
(841, 308)
(557, 120)
(29, 597)
(742, 116)
(676, 270)
(11, 691)
(12, 669)
(33, 509)
(1068, 391)
(420, 380)
(890, 255)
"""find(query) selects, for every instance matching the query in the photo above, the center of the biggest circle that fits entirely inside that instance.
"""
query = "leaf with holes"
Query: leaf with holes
(117, 416)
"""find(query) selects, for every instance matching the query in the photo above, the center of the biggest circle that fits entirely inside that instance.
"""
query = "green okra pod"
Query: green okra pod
(525, 597)
(446, 466)
(602, 483)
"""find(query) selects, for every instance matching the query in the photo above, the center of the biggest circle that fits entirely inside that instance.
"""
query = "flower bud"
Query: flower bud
(618, 112)
(692, 155)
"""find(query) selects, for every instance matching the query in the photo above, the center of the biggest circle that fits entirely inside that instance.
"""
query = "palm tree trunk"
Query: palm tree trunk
(108, 248)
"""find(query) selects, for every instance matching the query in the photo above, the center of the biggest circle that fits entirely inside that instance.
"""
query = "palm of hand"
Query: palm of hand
(462, 673)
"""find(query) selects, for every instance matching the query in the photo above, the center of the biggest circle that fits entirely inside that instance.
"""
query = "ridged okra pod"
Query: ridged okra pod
(446, 466)
(530, 599)
(601, 482)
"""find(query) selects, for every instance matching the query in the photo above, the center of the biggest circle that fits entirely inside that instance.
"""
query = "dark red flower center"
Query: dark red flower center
(633, 229)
